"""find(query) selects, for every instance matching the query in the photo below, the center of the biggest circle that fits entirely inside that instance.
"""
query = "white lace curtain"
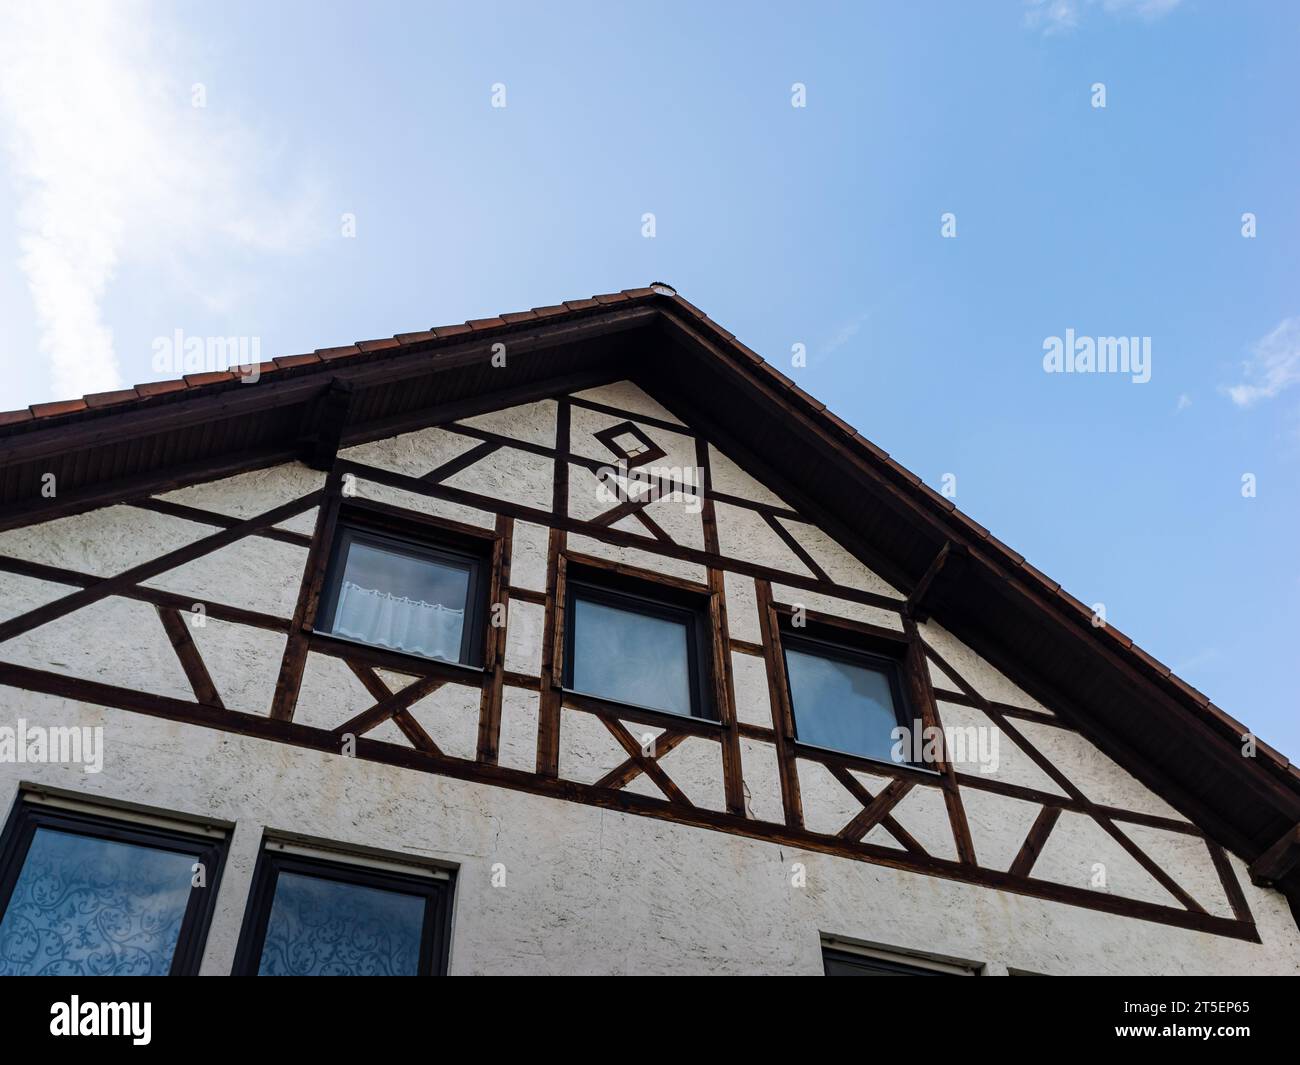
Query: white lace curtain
(412, 625)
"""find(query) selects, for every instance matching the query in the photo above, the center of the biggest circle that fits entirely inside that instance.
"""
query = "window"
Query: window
(85, 895)
(641, 644)
(395, 592)
(315, 916)
(863, 963)
(843, 698)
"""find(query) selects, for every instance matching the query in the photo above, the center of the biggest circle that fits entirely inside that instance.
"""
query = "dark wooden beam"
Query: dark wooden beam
(1276, 862)
(324, 424)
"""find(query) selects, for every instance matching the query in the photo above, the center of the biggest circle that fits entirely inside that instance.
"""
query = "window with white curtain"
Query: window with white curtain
(403, 595)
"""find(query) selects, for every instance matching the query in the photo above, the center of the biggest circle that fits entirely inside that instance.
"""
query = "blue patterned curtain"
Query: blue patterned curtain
(327, 928)
(93, 907)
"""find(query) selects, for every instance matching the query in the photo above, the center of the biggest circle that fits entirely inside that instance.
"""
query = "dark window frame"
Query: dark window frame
(869, 965)
(435, 933)
(651, 599)
(424, 544)
(855, 649)
(27, 817)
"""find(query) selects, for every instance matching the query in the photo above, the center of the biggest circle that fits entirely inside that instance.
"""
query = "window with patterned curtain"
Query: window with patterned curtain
(83, 895)
(309, 916)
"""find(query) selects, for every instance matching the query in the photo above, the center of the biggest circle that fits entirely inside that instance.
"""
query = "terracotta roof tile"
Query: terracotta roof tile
(878, 452)
(1189, 691)
(256, 373)
(1015, 556)
(12, 417)
(455, 330)
(107, 399)
(1118, 635)
(580, 305)
(478, 324)
(611, 297)
(682, 301)
(552, 311)
(1034, 571)
(969, 522)
(329, 354)
(198, 380)
(288, 362)
(378, 345)
(159, 388)
(63, 406)
(839, 423)
(416, 338)
(812, 401)
(513, 317)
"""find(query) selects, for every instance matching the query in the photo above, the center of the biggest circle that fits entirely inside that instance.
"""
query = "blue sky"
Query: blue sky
(129, 213)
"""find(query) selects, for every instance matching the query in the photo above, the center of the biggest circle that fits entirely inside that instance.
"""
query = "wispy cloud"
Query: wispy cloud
(1273, 367)
(845, 333)
(1184, 401)
(1062, 16)
(112, 164)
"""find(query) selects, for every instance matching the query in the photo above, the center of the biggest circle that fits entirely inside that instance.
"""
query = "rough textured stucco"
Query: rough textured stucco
(731, 480)
(438, 508)
(833, 605)
(528, 556)
(525, 624)
(840, 566)
(974, 670)
(1094, 774)
(243, 663)
(1014, 766)
(626, 396)
(533, 422)
(1079, 851)
(998, 825)
(114, 641)
(742, 608)
(743, 533)
(18, 594)
(749, 676)
(587, 890)
(594, 891)
(247, 495)
(102, 542)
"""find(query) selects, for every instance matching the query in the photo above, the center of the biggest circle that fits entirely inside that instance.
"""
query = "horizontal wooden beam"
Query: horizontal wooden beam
(263, 727)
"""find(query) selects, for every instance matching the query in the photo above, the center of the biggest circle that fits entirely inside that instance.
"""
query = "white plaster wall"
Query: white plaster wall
(594, 891)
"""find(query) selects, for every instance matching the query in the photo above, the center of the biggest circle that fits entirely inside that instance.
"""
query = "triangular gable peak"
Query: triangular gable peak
(527, 468)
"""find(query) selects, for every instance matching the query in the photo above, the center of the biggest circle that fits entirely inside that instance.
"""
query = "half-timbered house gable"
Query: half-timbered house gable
(197, 583)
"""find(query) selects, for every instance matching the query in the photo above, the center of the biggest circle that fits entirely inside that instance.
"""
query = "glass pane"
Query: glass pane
(93, 907)
(630, 657)
(841, 706)
(402, 601)
(328, 928)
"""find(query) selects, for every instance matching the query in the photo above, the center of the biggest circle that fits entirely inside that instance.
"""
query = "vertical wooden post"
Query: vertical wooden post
(494, 654)
(550, 696)
(724, 685)
(293, 663)
(782, 715)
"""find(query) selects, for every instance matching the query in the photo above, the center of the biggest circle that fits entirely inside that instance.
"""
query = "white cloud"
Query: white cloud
(1184, 401)
(1062, 16)
(1273, 367)
(111, 164)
